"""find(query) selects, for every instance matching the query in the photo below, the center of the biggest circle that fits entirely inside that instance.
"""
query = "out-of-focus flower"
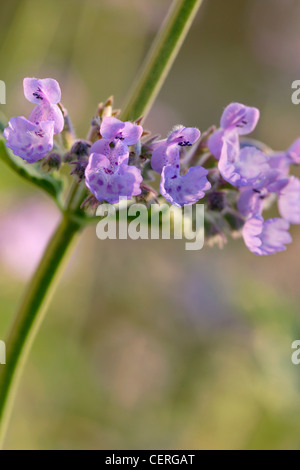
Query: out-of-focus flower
(266, 237)
(24, 234)
(242, 167)
(289, 201)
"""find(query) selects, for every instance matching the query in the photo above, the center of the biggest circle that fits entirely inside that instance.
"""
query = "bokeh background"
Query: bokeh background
(146, 345)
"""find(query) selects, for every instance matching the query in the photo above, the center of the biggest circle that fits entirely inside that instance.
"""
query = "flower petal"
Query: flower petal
(48, 112)
(244, 167)
(184, 136)
(215, 143)
(184, 190)
(266, 237)
(42, 90)
(164, 155)
(27, 140)
(294, 152)
(289, 201)
(110, 127)
(240, 117)
(117, 154)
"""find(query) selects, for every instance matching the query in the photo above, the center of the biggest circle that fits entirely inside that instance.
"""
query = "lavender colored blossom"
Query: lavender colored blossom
(114, 129)
(283, 160)
(46, 94)
(289, 201)
(167, 151)
(41, 90)
(237, 119)
(251, 202)
(46, 112)
(253, 198)
(266, 237)
(293, 153)
(184, 136)
(242, 167)
(30, 141)
(163, 155)
(182, 190)
(116, 153)
(108, 176)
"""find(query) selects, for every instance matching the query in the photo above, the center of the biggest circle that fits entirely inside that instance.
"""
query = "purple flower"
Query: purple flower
(184, 136)
(41, 90)
(237, 119)
(251, 202)
(182, 190)
(242, 167)
(108, 176)
(167, 152)
(164, 155)
(293, 153)
(46, 94)
(281, 163)
(47, 112)
(30, 141)
(179, 190)
(114, 129)
(266, 237)
(289, 201)
(116, 153)
(253, 198)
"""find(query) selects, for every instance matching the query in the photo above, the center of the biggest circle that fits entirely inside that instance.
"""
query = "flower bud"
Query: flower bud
(79, 151)
(79, 169)
(216, 201)
(51, 163)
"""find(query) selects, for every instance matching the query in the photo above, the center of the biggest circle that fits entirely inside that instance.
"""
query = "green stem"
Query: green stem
(42, 286)
(31, 315)
(160, 58)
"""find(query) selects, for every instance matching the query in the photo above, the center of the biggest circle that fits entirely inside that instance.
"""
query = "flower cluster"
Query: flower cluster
(32, 139)
(260, 178)
(108, 175)
(235, 177)
(179, 188)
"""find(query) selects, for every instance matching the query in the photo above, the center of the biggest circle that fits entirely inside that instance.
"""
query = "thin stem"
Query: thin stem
(72, 195)
(160, 58)
(31, 315)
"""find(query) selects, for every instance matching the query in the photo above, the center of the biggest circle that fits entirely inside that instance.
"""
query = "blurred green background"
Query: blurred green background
(146, 345)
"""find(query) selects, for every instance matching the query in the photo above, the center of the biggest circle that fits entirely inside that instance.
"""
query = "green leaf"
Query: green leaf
(3, 122)
(46, 182)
